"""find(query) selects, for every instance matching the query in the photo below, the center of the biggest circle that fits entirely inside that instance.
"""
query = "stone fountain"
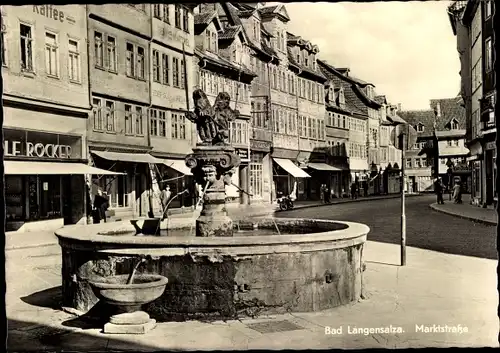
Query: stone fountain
(256, 266)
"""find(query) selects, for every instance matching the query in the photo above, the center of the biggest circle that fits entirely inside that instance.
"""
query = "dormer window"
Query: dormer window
(454, 124)
(211, 41)
(420, 127)
(306, 59)
(331, 94)
(341, 96)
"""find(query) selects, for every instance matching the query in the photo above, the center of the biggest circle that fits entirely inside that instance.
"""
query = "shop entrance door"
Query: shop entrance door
(67, 208)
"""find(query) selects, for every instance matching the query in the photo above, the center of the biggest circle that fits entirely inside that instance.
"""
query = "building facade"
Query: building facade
(441, 140)
(473, 25)
(46, 108)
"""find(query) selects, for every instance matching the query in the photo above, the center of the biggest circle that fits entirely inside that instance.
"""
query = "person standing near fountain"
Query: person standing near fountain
(165, 196)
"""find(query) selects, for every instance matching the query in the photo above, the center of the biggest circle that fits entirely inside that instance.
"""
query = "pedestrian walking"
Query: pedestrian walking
(327, 194)
(438, 189)
(322, 193)
(165, 197)
(354, 191)
(457, 192)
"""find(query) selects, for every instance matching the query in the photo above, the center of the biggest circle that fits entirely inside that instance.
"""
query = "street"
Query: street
(425, 228)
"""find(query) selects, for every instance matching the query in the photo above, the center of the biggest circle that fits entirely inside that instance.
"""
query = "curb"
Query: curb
(396, 196)
(43, 245)
(434, 207)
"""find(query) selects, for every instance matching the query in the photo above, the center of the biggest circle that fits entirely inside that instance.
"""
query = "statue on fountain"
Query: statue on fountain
(213, 162)
(212, 122)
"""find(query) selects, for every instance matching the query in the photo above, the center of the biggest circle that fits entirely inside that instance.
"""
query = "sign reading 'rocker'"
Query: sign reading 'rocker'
(14, 149)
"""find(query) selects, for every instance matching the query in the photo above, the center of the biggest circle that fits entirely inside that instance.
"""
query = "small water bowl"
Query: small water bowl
(144, 289)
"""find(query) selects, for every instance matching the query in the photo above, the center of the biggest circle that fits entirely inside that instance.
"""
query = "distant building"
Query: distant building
(473, 24)
(440, 148)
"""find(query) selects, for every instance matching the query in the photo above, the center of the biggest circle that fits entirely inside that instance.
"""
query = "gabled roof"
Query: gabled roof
(317, 73)
(294, 40)
(230, 33)
(373, 104)
(276, 10)
(202, 20)
(425, 117)
(220, 61)
(353, 102)
(380, 99)
(450, 108)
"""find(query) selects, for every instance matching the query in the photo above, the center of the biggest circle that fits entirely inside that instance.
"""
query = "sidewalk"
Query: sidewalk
(467, 211)
(26, 240)
(432, 289)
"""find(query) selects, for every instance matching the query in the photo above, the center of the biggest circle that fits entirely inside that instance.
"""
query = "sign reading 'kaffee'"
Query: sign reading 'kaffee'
(49, 12)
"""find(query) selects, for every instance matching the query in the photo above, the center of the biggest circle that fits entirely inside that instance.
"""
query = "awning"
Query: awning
(52, 168)
(179, 165)
(323, 167)
(291, 168)
(127, 157)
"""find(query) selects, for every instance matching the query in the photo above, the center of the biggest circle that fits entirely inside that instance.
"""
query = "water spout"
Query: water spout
(131, 277)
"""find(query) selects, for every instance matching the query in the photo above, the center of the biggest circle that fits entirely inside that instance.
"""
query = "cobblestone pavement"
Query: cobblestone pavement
(425, 228)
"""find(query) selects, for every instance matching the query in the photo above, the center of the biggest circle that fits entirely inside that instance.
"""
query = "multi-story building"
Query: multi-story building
(223, 63)
(473, 24)
(257, 46)
(353, 118)
(171, 78)
(310, 127)
(46, 108)
(443, 124)
(118, 130)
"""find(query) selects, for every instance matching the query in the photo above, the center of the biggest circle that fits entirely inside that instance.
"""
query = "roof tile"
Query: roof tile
(204, 18)
(229, 32)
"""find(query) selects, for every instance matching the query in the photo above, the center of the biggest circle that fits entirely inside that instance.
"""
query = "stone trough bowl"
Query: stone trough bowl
(128, 300)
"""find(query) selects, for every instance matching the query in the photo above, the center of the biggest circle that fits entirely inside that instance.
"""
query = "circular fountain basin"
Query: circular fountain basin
(114, 290)
(269, 266)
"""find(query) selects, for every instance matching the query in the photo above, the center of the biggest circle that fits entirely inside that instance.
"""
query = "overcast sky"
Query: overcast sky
(406, 49)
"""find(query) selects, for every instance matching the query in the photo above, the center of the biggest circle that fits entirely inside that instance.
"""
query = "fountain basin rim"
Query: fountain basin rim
(88, 234)
(157, 281)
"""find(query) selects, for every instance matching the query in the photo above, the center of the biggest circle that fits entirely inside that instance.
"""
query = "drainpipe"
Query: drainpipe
(88, 125)
(296, 124)
(270, 120)
(148, 126)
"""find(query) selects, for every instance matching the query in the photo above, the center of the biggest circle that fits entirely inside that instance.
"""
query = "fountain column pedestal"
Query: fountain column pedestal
(212, 168)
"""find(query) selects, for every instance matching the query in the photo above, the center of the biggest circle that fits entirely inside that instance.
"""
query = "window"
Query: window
(420, 127)
(182, 74)
(487, 9)
(98, 47)
(239, 132)
(488, 50)
(111, 53)
(456, 143)
(141, 64)
(26, 48)
(418, 163)
(110, 116)
(166, 13)
(449, 143)
(185, 20)
(408, 163)
(178, 11)
(162, 123)
(4, 54)
(476, 76)
(73, 61)
(175, 73)
(129, 127)
(138, 121)
(130, 69)
(153, 122)
(156, 66)
(156, 10)
(424, 162)
(98, 118)
(164, 67)
(178, 126)
(454, 124)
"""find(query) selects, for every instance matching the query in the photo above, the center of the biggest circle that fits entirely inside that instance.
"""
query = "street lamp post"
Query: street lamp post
(403, 210)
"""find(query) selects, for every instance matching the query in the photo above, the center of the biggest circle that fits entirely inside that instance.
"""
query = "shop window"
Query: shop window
(14, 198)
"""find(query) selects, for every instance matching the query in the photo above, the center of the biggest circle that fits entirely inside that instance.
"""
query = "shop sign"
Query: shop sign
(31, 149)
(49, 12)
(243, 154)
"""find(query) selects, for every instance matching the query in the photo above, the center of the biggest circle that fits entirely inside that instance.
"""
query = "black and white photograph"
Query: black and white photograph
(186, 176)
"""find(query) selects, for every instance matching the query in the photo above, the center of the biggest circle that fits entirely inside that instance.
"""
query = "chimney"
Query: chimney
(399, 107)
(438, 110)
